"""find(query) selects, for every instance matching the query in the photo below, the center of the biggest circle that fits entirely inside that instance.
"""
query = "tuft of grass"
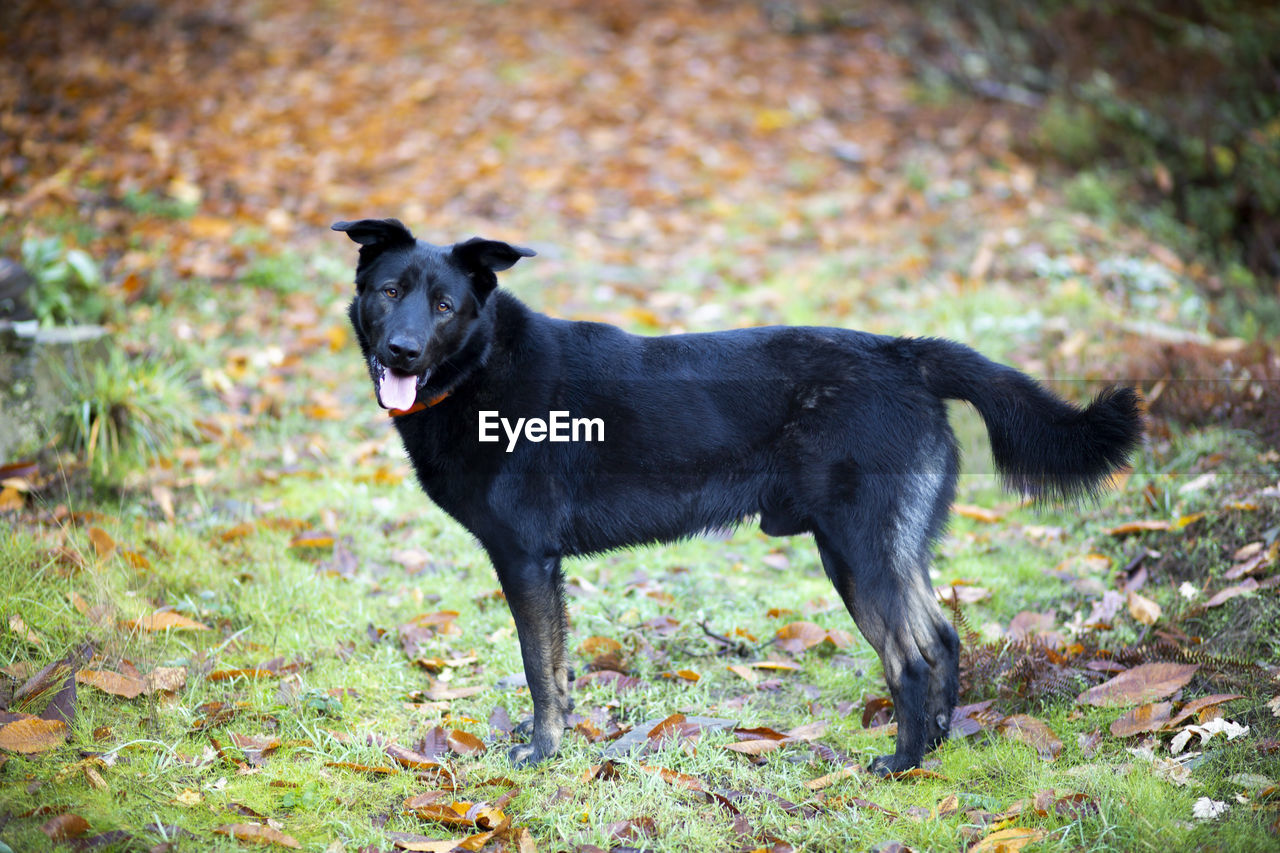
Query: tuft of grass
(122, 413)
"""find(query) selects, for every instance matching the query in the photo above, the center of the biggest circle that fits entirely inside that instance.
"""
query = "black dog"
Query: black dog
(840, 433)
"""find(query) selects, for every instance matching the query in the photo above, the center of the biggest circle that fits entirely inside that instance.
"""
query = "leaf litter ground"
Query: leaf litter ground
(268, 637)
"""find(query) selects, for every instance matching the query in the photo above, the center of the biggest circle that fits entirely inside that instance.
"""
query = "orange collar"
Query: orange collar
(416, 407)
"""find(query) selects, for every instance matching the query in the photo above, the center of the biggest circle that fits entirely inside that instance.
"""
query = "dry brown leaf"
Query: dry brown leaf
(1008, 840)
(20, 629)
(831, 778)
(1143, 609)
(1032, 731)
(755, 747)
(1144, 718)
(673, 778)
(165, 620)
(743, 672)
(1143, 683)
(111, 682)
(33, 735)
(1225, 595)
(1195, 706)
(258, 834)
(65, 826)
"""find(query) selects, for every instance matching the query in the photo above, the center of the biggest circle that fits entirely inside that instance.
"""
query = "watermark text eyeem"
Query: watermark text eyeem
(557, 427)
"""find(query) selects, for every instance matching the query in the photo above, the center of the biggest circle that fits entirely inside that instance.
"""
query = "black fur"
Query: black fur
(836, 432)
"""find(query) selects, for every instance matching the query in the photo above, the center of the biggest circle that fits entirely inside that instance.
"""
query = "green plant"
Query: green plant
(122, 412)
(68, 282)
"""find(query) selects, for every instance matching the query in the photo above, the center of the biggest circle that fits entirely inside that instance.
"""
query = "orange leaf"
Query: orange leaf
(674, 779)
(977, 513)
(103, 544)
(313, 539)
(1141, 526)
(686, 674)
(111, 682)
(258, 834)
(807, 633)
(780, 665)
(65, 826)
(1144, 718)
(33, 735)
(465, 743)
(1009, 840)
(228, 674)
(831, 778)
(166, 620)
(1143, 683)
(596, 646)
(743, 673)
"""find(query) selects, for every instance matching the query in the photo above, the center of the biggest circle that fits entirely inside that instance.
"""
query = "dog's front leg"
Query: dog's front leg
(534, 589)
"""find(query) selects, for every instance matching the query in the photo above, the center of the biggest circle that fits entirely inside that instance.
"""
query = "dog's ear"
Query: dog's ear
(375, 236)
(482, 258)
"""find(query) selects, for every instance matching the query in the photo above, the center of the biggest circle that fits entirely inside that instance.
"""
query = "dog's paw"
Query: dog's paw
(887, 765)
(524, 755)
(524, 728)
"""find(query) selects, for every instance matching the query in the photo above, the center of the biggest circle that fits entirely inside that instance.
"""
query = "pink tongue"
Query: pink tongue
(398, 390)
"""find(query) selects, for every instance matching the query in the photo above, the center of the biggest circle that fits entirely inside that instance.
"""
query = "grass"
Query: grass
(290, 442)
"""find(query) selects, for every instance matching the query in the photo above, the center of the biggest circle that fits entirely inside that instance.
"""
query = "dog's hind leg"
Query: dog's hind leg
(534, 589)
(880, 569)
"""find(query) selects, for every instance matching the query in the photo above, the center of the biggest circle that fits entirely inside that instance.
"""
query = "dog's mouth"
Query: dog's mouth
(396, 389)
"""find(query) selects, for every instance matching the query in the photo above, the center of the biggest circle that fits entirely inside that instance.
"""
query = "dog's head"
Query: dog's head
(417, 305)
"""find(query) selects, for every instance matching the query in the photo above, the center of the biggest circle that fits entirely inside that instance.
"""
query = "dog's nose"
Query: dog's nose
(405, 347)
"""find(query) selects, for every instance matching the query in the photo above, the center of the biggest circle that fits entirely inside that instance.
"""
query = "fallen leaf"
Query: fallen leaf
(1032, 731)
(33, 735)
(1195, 706)
(111, 682)
(103, 544)
(228, 674)
(1143, 609)
(1143, 683)
(683, 674)
(465, 743)
(1008, 840)
(1224, 595)
(258, 834)
(754, 747)
(1144, 718)
(20, 629)
(831, 778)
(976, 513)
(65, 826)
(165, 620)
(1138, 527)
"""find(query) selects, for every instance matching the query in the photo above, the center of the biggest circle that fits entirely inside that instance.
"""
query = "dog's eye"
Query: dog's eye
(442, 307)
(391, 292)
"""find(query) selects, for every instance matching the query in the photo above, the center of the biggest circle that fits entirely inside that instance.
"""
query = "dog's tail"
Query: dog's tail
(1043, 445)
